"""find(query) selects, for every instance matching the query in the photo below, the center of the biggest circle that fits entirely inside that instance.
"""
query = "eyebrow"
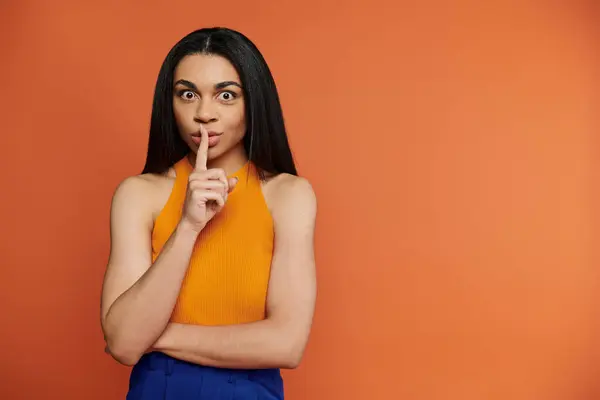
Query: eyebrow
(218, 86)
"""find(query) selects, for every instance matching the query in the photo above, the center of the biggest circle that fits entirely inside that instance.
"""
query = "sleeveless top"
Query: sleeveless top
(228, 274)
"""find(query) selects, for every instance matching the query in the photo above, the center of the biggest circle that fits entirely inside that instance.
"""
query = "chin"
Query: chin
(215, 152)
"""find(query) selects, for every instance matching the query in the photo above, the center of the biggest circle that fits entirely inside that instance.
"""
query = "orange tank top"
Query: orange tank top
(229, 269)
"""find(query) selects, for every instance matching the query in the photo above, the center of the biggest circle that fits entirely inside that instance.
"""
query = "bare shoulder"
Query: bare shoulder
(132, 187)
(146, 193)
(290, 197)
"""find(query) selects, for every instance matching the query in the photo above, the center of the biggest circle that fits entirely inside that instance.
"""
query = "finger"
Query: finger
(213, 173)
(232, 183)
(202, 154)
(199, 179)
(219, 174)
(207, 185)
(214, 196)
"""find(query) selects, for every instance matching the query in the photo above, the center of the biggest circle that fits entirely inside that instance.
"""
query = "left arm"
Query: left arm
(279, 340)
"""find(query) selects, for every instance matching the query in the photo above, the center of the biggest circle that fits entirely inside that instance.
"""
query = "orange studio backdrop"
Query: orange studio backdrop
(450, 144)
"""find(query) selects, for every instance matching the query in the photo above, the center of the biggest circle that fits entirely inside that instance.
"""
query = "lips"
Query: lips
(210, 133)
(213, 138)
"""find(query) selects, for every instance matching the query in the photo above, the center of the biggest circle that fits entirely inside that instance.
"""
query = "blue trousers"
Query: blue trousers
(160, 377)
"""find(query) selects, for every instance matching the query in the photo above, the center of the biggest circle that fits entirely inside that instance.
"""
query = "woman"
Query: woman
(210, 285)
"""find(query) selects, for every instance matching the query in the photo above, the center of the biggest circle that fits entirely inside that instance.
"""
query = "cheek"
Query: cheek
(241, 119)
(241, 124)
(177, 115)
(237, 123)
(181, 115)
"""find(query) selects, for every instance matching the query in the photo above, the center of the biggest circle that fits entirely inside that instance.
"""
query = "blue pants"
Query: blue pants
(160, 377)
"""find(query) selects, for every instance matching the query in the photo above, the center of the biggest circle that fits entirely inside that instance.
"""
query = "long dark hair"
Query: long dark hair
(265, 141)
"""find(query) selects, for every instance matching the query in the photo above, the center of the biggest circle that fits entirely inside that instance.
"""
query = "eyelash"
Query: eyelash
(181, 92)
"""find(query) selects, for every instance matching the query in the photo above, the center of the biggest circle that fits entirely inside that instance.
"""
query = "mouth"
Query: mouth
(213, 138)
(210, 133)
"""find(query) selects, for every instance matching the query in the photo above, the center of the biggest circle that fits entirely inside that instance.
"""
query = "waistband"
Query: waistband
(157, 361)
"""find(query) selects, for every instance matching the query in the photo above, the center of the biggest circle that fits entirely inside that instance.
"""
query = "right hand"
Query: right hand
(207, 189)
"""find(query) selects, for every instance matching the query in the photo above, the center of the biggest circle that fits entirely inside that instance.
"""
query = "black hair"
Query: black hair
(265, 141)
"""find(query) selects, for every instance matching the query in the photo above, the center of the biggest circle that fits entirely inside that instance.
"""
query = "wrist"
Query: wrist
(186, 230)
(163, 341)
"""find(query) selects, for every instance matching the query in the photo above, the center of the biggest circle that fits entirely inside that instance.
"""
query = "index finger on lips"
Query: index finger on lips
(202, 154)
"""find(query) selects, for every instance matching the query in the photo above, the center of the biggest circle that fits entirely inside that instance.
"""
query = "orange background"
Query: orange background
(450, 145)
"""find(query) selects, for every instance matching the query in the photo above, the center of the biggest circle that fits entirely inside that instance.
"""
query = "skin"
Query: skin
(138, 296)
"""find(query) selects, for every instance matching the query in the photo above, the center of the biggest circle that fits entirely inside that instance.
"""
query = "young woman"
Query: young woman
(210, 285)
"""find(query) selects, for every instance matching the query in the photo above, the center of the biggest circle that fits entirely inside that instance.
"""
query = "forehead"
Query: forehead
(205, 69)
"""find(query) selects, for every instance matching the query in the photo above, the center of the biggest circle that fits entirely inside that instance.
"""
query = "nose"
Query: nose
(205, 111)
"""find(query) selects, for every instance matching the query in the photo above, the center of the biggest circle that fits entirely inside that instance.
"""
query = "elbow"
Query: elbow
(126, 359)
(123, 353)
(292, 357)
(122, 347)
(291, 363)
(293, 343)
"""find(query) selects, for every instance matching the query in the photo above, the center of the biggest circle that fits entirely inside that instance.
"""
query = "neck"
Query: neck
(230, 161)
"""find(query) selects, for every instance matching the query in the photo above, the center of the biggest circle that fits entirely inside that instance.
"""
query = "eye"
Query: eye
(227, 96)
(187, 95)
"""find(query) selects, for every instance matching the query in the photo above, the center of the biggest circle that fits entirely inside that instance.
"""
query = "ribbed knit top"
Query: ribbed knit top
(228, 273)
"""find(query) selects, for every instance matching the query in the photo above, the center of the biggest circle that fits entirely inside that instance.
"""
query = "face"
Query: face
(207, 91)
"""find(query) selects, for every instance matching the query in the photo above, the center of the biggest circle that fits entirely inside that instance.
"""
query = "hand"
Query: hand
(207, 189)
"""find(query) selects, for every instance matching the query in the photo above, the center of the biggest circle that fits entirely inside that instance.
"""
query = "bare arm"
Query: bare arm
(280, 339)
(138, 296)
